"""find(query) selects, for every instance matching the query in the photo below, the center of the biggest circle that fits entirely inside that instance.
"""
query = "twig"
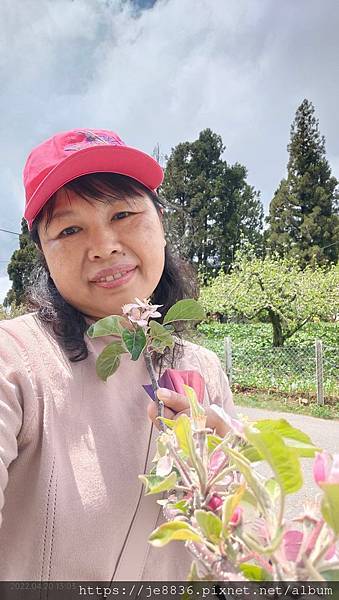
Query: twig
(155, 387)
(185, 474)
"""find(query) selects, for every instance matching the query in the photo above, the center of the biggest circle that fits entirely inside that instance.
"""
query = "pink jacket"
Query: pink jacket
(71, 449)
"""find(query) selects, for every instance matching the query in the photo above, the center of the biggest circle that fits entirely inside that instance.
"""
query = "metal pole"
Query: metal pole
(319, 371)
(228, 360)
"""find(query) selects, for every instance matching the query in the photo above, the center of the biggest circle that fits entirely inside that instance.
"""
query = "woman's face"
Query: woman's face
(122, 242)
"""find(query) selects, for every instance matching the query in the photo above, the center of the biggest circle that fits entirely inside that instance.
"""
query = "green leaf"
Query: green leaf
(282, 459)
(254, 573)
(209, 524)
(112, 325)
(183, 432)
(249, 498)
(251, 454)
(330, 505)
(304, 452)
(181, 505)
(155, 484)
(330, 574)
(109, 359)
(273, 489)
(161, 447)
(197, 411)
(175, 530)
(251, 477)
(169, 422)
(212, 442)
(161, 338)
(135, 342)
(284, 429)
(185, 310)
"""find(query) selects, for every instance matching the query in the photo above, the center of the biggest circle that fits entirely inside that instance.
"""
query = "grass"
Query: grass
(283, 403)
(281, 379)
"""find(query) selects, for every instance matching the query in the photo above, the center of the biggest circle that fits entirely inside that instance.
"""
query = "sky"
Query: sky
(160, 71)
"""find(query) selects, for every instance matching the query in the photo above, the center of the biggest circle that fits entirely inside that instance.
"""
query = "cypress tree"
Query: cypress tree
(212, 206)
(20, 267)
(303, 217)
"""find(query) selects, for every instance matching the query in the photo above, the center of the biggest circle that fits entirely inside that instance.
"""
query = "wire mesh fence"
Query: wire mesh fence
(331, 371)
(309, 370)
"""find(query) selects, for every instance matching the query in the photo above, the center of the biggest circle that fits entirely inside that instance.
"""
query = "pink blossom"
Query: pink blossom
(140, 311)
(291, 544)
(217, 460)
(293, 540)
(236, 517)
(215, 502)
(325, 469)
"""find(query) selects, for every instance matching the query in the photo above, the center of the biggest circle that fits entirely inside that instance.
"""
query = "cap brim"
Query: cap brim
(123, 160)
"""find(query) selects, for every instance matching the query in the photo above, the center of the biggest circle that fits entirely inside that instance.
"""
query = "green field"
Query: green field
(278, 377)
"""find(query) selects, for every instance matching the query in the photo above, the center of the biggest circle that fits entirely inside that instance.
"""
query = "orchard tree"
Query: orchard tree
(303, 216)
(20, 267)
(211, 203)
(276, 288)
(10, 312)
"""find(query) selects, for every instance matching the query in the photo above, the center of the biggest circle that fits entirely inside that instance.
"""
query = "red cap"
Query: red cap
(71, 154)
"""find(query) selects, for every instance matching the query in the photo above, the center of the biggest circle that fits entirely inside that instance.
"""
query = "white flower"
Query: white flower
(141, 311)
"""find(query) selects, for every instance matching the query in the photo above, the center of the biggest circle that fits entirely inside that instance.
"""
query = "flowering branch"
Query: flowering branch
(231, 525)
(230, 516)
(139, 334)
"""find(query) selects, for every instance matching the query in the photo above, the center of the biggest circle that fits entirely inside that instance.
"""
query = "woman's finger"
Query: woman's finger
(152, 412)
(173, 400)
(215, 422)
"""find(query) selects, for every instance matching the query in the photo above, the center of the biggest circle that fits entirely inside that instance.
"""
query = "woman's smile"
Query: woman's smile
(113, 281)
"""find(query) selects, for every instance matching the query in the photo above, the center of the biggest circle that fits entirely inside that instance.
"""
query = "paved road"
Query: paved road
(324, 433)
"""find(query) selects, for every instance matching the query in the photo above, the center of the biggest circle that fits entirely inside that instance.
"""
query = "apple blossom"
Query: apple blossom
(141, 311)
(325, 468)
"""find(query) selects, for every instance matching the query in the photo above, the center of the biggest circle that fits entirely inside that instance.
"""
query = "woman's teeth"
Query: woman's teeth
(112, 277)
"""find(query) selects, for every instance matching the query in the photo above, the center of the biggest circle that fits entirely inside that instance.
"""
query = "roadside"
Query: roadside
(276, 379)
(323, 433)
(280, 401)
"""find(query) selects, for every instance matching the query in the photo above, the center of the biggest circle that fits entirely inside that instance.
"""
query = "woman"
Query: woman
(72, 446)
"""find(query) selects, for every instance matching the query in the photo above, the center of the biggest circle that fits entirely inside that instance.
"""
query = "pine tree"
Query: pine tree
(303, 217)
(20, 267)
(212, 207)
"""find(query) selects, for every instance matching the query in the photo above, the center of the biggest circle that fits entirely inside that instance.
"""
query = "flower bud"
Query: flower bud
(236, 517)
(215, 502)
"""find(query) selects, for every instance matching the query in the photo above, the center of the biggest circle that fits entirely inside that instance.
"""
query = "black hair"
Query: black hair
(68, 324)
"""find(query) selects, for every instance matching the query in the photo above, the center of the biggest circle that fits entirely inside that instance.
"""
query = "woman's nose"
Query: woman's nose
(103, 243)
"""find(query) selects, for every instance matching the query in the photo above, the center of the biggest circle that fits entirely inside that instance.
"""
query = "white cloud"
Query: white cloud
(240, 67)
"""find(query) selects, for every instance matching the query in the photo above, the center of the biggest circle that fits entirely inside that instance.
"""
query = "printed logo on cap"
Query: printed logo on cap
(93, 139)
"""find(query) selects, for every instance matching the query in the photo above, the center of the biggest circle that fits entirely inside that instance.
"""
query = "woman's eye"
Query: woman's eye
(121, 215)
(68, 231)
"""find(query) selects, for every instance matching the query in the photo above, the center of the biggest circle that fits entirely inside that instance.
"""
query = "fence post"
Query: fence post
(319, 371)
(228, 359)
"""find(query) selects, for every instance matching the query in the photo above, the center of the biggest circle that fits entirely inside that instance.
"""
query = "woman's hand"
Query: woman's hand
(176, 404)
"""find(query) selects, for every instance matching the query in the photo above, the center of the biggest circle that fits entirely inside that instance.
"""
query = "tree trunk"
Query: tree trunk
(278, 337)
